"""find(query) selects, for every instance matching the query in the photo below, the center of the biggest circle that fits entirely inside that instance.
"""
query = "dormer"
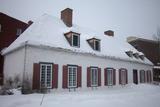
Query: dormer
(141, 56)
(73, 38)
(94, 43)
(136, 55)
(129, 53)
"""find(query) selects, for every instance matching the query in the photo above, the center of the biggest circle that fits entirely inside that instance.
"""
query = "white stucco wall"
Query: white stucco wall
(14, 64)
(36, 55)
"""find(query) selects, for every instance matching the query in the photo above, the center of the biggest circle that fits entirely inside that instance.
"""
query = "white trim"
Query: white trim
(70, 66)
(46, 74)
(94, 85)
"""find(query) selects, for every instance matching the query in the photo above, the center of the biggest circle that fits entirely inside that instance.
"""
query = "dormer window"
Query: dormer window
(129, 53)
(94, 43)
(73, 38)
(19, 31)
(136, 55)
(141, 57)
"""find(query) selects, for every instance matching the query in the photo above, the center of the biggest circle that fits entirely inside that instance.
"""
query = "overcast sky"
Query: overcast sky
(125, 17)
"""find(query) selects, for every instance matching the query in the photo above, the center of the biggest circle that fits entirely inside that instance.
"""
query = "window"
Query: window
(136, 55)
(46, 75)
(19, 31)
(72, 76)
(97, 45)
(142, 76)
(129, 53)
(94, 77)
(75, 40)
(0, 28)
(110, 76)
(123, 76)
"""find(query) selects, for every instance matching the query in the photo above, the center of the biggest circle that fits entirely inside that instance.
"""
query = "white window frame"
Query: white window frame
(19, 31)
(94, 45)
(123, 77)
(73, 34)
(143, 76)
(46, 75)
(94, 84)
(110, 81)
(72, 67)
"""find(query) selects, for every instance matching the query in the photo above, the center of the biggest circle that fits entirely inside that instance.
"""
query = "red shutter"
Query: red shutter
(99, 76)
(105, 77)
(65, 76)
(114, 76)
(88, 77)
(36, 76)
(79, 76)
(55, 76)
(140, 72)
(126, 77)
(120, 82)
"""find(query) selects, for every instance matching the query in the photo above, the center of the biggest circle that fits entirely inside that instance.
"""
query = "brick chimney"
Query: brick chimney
(109, 33)
(66, 16)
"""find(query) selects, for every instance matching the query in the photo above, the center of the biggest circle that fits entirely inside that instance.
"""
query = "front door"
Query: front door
(135, 76)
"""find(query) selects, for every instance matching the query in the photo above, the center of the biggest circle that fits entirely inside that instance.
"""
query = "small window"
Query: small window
(0, 28)
(46, 75)
(129, 53)
(94, 77)
(19, 31)
(142, 76)
(75, 40)
(97, 45)
(136, 55)
(72, 76)
(123, 76)
(141, 57)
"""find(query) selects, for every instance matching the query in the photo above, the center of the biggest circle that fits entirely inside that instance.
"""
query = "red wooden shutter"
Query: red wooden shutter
(126, 77)
(114, 76)
(79, 76)
(99, 76)
(105, 77)
(120, 82)
(88, 77)
(55, 76)
(36, 76)
(65, 77)
(140, 74)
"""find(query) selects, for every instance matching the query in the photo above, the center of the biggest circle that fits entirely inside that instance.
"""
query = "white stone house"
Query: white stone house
(55, 53)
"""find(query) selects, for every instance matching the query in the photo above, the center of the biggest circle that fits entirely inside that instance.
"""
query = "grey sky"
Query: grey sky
(125, 17)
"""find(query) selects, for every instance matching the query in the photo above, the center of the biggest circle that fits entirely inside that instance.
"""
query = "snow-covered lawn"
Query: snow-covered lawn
(130, 96)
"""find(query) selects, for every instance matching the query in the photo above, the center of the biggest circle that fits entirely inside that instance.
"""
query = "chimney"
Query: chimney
(66, 16)
(109, 33)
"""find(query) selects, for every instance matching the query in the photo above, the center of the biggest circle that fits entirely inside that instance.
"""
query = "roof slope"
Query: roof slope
(49, 31)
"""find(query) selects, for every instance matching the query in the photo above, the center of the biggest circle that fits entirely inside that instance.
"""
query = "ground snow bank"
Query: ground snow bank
(130, 96)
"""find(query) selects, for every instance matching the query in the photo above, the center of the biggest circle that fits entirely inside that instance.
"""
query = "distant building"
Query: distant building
(150, 48)
(10, 29)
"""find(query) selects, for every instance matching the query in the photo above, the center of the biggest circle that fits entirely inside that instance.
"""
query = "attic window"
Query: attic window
(129, 53)
(73, 38)
(136, 55)
(141, 57)
(94, 43)
(19, 31)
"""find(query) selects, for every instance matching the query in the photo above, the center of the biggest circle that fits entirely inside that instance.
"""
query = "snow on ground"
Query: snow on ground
(143, 95)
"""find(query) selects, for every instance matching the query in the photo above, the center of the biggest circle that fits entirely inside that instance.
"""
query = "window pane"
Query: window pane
(97, 45)
(94, 77)
(72, 73)
(75, 40)
(110, 76)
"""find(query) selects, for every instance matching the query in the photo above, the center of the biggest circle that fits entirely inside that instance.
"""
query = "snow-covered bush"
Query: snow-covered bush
(26, 87)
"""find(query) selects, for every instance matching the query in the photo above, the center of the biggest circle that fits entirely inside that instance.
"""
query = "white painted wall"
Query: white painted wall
(36, 55)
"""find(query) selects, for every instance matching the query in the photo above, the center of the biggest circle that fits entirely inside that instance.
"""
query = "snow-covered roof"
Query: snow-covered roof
(49, 31)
